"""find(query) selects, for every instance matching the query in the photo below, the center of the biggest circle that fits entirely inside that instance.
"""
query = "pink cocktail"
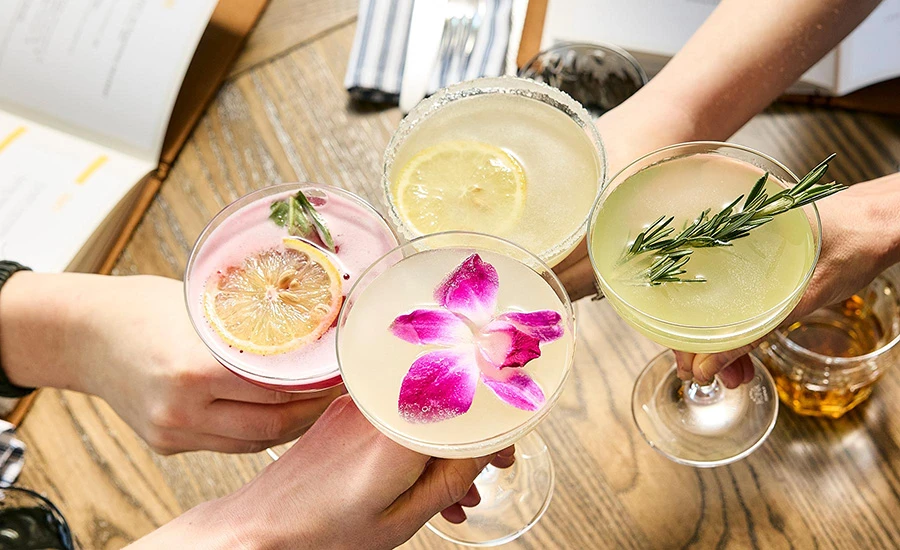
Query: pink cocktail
(245, 230)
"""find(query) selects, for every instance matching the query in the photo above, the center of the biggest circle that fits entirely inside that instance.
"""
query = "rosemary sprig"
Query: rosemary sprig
(724, 227)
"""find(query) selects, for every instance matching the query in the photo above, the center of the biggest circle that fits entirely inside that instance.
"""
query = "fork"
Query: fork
(461, 26)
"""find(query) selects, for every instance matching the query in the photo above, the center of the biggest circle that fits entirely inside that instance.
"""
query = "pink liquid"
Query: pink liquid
(360, 237)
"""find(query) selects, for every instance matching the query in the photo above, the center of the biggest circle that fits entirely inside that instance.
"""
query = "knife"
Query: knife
(421, 50)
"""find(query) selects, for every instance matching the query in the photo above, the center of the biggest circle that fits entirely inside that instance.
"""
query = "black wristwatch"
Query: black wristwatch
(8, 389)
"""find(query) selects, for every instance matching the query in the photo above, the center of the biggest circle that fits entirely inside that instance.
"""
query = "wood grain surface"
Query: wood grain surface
(285, 117)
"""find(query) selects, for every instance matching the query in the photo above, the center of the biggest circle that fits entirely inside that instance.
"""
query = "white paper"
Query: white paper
(661, 27)
(871, 53)
(109, 70)
(56, 189)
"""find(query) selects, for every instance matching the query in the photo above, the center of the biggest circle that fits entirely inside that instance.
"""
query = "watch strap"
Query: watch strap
(7, 388)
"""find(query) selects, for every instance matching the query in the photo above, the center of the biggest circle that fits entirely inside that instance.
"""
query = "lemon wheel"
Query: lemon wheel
(277, 300)
(460, 185)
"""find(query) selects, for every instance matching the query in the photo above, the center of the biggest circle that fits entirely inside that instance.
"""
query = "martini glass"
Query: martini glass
(749, 288)
(441, 393)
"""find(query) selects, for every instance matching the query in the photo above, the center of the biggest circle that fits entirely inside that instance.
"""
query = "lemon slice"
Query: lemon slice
(460, 185)
(277, 300)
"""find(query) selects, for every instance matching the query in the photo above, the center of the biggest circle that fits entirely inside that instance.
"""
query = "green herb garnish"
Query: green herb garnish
(723, 228)
(300, 218)
(317, 220)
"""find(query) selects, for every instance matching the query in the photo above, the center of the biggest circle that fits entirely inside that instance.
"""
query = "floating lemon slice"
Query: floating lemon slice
(460, 185)
(277, 300)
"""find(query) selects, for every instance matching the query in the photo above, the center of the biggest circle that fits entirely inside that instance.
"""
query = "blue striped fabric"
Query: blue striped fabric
(375, 69)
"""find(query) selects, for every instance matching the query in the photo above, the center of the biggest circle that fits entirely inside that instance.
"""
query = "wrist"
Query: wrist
(208, 526)
(647, 121)
(882, 203)
(34, 308)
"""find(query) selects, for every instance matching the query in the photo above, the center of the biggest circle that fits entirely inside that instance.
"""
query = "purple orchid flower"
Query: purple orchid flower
(474, 343)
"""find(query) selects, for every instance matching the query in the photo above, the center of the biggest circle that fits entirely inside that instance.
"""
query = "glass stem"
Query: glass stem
(703, 394)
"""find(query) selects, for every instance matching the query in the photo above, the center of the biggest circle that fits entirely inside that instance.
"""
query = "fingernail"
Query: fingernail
(506, 453)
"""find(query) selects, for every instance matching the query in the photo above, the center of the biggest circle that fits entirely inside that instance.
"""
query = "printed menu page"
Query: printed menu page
(86, 91)
(107, 69)
(56, 189)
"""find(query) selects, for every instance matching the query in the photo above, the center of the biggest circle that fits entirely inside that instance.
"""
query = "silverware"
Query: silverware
(461, 23)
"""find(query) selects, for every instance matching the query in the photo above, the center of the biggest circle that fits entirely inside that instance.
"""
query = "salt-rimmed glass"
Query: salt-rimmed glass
(513, 499)
(401, 149)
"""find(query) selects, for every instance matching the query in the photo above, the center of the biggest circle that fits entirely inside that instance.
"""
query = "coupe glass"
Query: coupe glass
(317, 372)
(689, 423)
(512, 499)
(599, 76)
(532, 148)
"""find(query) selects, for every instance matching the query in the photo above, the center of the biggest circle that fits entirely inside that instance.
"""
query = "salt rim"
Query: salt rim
(512, 85)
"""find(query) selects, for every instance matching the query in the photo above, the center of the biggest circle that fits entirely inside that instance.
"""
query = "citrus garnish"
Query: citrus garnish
(277, 300)
(461, 185)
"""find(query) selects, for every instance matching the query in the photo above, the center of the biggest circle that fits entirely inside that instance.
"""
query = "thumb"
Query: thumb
(444, 482)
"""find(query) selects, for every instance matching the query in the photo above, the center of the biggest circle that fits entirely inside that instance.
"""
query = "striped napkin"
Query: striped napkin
(376, 66)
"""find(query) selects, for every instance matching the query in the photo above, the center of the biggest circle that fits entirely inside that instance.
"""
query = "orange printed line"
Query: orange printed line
(16, 134)
(93, 167)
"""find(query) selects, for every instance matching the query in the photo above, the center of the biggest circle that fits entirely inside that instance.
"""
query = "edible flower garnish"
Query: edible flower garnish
(473, 342)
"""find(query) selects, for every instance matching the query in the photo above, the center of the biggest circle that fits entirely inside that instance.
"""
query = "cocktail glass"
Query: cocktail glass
(29, 520)
(599, 76)
(243, 229)
(690, 423)
(440, 393)
(549, 135)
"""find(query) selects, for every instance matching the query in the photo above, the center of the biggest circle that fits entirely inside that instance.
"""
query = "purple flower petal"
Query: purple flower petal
(545, 325)
(470, 290)
(431, 326)
(519, 390)
(439, 385)
(503, 345)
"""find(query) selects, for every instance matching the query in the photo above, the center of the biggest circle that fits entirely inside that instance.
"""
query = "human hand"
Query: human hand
(629, 132)
(342, 485)
(129, 340)
(860, 239)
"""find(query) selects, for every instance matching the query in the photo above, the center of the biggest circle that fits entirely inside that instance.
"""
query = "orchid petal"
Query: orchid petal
(439, 385)
(470, 290)
(519, 390)
(545, 325)
(503, 345)
(431, 326)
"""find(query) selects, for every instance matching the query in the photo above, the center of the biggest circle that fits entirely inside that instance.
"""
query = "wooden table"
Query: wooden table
(284, 116)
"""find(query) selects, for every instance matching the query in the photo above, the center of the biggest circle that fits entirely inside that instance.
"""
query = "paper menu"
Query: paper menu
(107, 69)
(87, 88)
(56, 189)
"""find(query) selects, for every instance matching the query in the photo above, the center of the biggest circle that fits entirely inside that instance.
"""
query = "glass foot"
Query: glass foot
(702, 426)
(512, 499)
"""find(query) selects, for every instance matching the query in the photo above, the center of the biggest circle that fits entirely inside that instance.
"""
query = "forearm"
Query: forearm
(742, 58)
(208, 526)
(748, 52)
(38, 314)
